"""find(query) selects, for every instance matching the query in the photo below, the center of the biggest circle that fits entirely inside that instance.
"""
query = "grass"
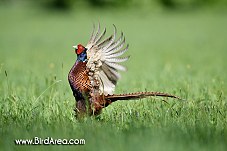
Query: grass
(179, 53)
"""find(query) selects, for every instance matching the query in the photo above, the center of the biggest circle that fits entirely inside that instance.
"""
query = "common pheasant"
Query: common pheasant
(94, 75)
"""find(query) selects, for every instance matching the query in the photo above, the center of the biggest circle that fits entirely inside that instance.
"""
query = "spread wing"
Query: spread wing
(104, 56)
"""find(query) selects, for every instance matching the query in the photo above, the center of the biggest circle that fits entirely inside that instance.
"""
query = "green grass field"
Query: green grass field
(179, 52)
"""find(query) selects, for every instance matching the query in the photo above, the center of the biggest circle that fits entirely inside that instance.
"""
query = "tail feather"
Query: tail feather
(138, 95)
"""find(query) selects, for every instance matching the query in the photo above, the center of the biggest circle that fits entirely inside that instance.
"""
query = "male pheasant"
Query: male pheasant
(94, 75)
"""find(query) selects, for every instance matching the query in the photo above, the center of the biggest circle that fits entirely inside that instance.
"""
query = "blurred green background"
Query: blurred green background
(176, 46)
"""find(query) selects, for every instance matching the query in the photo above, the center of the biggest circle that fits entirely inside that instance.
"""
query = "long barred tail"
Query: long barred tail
(138, 95)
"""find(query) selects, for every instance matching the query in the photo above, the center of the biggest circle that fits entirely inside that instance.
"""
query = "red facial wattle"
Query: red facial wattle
(80, 49)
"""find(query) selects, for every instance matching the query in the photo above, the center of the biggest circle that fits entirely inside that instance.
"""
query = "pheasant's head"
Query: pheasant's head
(81, 52)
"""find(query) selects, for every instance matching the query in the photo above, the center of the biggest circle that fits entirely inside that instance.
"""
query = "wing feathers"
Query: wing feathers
(104, 57)
(115, 43)
(97, 33)
(101, 36)
(123, 59)
(117, 54)
(111, 40)
(116, 66)
(92, 35)
(106, 84)
(115, 49)
(104, 42)
(111, 73)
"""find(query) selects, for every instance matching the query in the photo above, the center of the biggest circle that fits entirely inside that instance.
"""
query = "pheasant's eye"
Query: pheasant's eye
(76, 51)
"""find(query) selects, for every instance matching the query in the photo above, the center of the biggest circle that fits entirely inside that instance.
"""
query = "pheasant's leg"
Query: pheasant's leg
(97, 104)
(80, 108)
(96, 107)
(83, 107)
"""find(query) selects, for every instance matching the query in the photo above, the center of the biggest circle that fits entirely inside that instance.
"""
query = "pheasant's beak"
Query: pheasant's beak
(75, 47)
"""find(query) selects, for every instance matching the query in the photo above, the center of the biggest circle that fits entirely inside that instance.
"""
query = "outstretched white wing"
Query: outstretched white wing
(104, 58)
